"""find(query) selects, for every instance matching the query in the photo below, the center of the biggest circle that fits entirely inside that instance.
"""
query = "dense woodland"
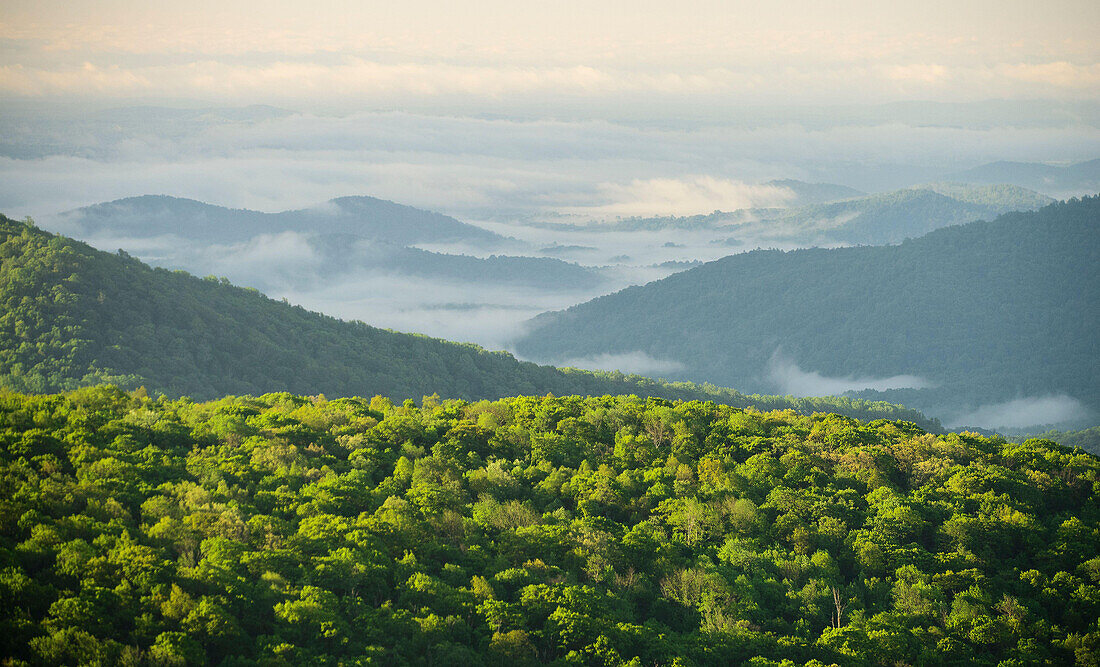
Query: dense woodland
(72, 316)
(1087, 439)
(597, 531)
(986, 312)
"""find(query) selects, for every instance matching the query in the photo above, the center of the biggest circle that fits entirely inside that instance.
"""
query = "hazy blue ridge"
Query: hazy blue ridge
(986, 311)
(377, 219)
(73, 316)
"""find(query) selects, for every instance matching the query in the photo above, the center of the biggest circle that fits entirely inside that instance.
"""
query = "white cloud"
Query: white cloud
(477, 167)
(676, 196)
(1025, 412)
(920, 72)
(627, 362)
(1060, 74)
(785, 373)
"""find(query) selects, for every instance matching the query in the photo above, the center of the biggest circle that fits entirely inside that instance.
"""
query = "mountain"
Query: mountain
(71, 316)
(30, 132)
(961, 319)
(345, 240)
(339, 254)
(1058, 180)
(889, 217)
(814, 193)
(158, 215)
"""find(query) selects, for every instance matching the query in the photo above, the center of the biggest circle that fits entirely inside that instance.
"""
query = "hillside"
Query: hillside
(814, 193)
(376, 219)
(72, 315)
(1058, 180)
(985, 312)
(1087, 439)
(536, 530)
(888, 217)
(336, 255)
(894, 216)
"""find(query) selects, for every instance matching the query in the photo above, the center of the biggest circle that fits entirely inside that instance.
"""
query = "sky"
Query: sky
(491, 110)
(578, 55)
(506, 112)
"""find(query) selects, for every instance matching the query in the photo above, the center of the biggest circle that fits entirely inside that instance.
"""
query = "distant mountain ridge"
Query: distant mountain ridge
(378, 219)
(888, 217)
(982, 312)
(895, 216)
(814, 193)
(71, 316)
(342, 238)
(1056, 180)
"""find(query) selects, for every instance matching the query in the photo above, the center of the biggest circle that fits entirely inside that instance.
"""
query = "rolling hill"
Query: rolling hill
(1058, 180)
(814, 193)
(158, 215)
(888, 217)
(964, 317)
(71, 316)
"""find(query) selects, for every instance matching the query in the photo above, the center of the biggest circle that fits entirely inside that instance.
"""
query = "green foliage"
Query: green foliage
(72, 316)
(1087, 439)
(532, 530)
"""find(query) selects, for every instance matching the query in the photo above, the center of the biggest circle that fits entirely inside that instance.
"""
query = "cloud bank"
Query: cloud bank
(1024, 412)
(481, 168)
(627, 362)
(786, 375)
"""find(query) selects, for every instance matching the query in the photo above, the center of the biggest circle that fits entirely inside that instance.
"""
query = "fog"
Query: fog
(628, 362)
(1033, 411)
(542, 124)
(52, 159)
(789, 378)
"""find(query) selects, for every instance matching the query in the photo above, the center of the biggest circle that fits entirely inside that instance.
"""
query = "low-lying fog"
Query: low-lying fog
(546, 184)
(491, 314)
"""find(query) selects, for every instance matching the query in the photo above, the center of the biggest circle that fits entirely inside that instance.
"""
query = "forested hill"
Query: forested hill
(983, 312)
(368, 217)
(1051, 179)
(287, 530)
(887, 217)
(71, 315)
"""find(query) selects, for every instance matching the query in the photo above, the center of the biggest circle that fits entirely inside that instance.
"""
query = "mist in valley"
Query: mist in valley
(587, 165)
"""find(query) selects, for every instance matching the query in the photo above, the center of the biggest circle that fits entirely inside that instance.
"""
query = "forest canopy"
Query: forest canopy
(601, 531)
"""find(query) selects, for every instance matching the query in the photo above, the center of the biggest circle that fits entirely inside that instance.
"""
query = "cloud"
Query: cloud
(482, 167)
(785, 373)
(676, 196)
(267, 252)
(706, 53)
(627, 362)
(1059, 73)
(1024, 412)
(918, 72)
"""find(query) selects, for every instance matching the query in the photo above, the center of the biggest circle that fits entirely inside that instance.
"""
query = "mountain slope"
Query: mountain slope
(888, 217)
(1055, 180)
(988, 311)
(340, 254)
(158, 215)
(71, 315)
(815, 193)
(895, 216)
